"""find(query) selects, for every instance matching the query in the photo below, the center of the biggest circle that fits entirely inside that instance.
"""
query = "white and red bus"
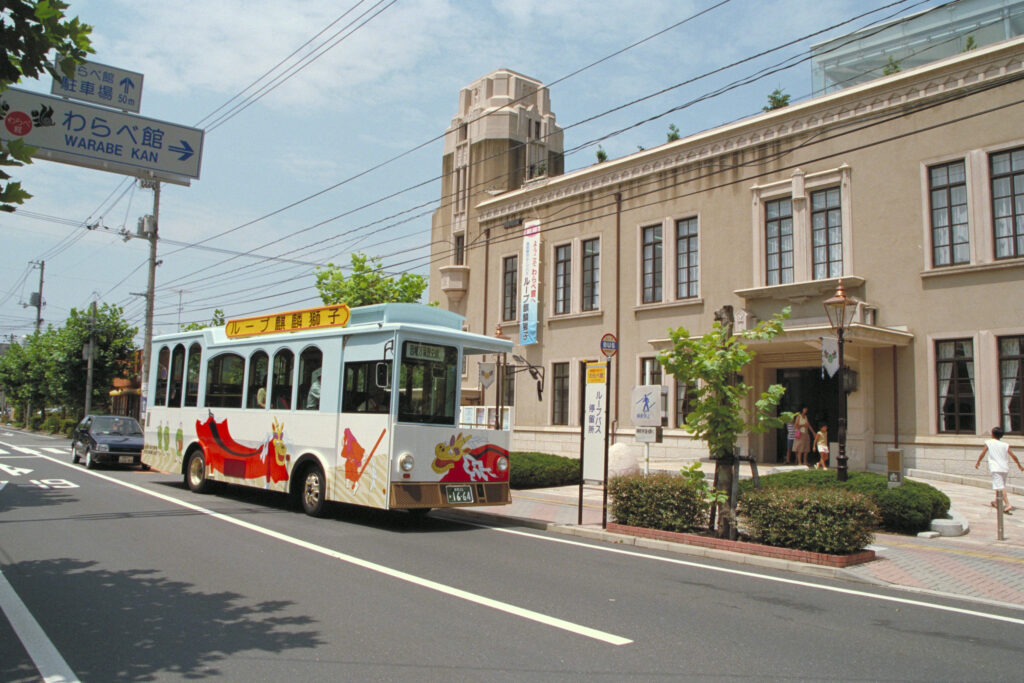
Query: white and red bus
(327, 404)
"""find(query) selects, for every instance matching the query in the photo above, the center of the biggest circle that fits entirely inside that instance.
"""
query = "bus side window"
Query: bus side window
(224, 381)
(177, 376)
(360, 393)
(257, 393)
(195, 358)
(310, 365)
(163, 361)
(281, 388)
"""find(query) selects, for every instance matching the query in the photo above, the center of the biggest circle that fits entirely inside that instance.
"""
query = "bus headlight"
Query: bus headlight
(502, 463)
(406, 462)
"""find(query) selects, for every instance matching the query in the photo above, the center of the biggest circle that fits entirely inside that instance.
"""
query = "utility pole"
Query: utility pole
(38, 296)
(90, 352)
(147, 344)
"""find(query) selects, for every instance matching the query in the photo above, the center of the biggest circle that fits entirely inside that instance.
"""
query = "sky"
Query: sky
(344, 154)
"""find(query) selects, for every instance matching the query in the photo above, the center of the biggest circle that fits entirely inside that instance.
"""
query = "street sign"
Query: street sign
(609, 345)
(100, 84)
(648, 434)
(594, 422)
(645, 405)
(84, 135)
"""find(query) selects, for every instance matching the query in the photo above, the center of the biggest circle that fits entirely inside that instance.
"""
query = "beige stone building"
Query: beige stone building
(909, 188)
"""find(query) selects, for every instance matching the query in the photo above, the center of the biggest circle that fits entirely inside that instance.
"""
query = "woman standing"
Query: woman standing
(804, 430)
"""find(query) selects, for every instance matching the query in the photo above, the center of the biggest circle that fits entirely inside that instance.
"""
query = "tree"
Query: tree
(673, 133)
(216, 321)
(602, 156)
(710, 366)
(367, 284)
(891, 67)
(37, 38)
(777, 99)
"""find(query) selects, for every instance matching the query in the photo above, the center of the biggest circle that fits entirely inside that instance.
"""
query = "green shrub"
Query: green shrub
(67, 427)
(903, 509)
(35, 422)
(542, 470)
(817, 519)
(658, 501)
(52, 423)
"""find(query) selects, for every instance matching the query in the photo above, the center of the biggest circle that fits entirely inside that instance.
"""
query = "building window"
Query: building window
(650, 375)
(684, 403)
(826, 234)
(563, 279)
(778, 239)
(651, 243)
(1008, 202)
(508, 388)
(950, 234)
(591, 274)
(687, 282)
(954, 369)
(560, 394)
(1011, 378)
(509, 287)
(460, 249)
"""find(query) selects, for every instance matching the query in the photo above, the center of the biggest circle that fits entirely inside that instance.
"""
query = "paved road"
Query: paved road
(127, 576)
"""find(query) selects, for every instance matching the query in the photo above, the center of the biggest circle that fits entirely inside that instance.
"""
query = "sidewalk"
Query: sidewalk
(975, 565)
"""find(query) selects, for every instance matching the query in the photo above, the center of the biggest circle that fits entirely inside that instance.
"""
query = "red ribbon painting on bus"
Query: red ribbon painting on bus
(223, 454)
(458, 463)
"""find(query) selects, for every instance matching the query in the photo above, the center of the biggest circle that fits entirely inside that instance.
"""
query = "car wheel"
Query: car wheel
(195, 473)
(90, 461)
(313, 491)
(74, 453)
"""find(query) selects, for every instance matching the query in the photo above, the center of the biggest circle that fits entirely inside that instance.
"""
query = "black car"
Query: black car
(107, 439)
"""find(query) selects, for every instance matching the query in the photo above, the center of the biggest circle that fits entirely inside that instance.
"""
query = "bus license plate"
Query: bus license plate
(126, 459)
(459, 494)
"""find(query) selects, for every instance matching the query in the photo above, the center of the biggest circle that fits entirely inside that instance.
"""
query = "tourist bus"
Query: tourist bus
(327, 404)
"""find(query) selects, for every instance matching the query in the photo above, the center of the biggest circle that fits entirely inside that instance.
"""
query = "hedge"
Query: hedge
(816, 519)
(541, 470)
(909, 508)
(658, 501)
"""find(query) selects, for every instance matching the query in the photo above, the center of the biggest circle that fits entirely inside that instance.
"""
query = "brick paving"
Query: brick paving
(975, 565)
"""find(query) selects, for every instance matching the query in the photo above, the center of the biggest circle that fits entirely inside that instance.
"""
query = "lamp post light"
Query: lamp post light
(839, 308)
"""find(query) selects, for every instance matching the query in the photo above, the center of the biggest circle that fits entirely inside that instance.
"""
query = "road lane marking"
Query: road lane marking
(484, 601)
(755, 575)
(57, 451)
(44, 654)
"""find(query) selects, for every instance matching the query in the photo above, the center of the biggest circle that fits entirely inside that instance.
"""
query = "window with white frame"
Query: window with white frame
(563, 279)
(954, 372)
(1011, 379)
(826, 233)
(1007, 173)
(778, 240)
(591, 273)
(684, 402)
(949, 227)
(687, 259)
(651, 263)
(560, 393)
(459, 250)
(509, 287)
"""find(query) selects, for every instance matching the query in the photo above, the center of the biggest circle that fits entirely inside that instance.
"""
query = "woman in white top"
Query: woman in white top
(998, 464)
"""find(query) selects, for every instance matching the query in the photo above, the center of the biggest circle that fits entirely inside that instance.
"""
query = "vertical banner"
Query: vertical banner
(595, 421)
(829, 356)
(530, 283)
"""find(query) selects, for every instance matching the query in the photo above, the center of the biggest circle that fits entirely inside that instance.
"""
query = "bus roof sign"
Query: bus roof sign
(289, 321)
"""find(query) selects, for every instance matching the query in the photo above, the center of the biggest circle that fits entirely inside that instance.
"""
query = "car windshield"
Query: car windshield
(116, 426)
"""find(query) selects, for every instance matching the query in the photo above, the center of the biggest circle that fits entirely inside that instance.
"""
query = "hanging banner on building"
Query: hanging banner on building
(530, 283)
(595, 421)
(486, 375)
(829, 356)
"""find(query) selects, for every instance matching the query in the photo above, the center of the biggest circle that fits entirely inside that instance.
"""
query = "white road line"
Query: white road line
(538, 617)
(23, 449)
(755, 575)
(47, 659)
(57, 451)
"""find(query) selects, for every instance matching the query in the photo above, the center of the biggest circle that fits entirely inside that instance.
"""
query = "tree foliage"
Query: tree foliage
(48, 369)
(216, 321)
(367, 284)
(37, 38)
(777, 99)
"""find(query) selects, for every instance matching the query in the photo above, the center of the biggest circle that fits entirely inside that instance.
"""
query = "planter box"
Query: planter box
(746, 547)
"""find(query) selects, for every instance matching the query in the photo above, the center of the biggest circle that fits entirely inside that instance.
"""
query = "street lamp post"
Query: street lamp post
(839, 308)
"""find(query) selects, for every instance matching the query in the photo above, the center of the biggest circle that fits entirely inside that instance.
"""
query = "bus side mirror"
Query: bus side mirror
(383, 376)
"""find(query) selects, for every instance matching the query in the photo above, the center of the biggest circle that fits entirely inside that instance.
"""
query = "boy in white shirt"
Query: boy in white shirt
(998, 465)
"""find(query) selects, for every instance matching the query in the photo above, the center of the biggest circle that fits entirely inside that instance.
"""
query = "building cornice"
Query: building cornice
(885, 94)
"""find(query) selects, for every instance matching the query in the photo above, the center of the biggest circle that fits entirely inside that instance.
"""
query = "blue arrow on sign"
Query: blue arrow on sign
(185, 150)
(127, 84)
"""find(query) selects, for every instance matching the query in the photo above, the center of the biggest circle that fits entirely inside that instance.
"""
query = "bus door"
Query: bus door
(364, 423)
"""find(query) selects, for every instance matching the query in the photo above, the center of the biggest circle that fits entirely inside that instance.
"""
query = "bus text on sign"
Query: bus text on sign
(609, 345)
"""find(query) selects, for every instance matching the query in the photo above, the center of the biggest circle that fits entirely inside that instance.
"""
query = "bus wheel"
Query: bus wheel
(313, 490)
(195, 473)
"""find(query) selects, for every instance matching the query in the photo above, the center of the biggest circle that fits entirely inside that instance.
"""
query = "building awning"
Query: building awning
(803, 336)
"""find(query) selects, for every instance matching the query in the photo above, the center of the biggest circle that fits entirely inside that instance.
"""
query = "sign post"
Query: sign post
(645, 411)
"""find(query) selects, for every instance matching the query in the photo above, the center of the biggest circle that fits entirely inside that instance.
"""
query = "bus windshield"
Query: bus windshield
(427, 380)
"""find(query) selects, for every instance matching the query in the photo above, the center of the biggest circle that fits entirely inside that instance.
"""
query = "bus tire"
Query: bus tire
(195, 473)
(313, 491)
